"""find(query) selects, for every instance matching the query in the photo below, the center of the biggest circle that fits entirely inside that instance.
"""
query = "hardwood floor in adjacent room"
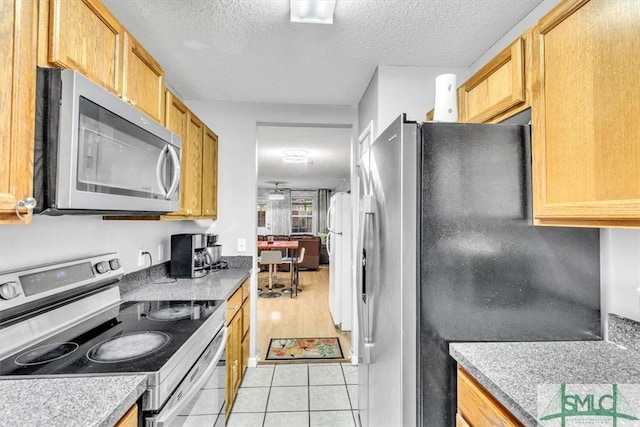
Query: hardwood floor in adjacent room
(304, 316)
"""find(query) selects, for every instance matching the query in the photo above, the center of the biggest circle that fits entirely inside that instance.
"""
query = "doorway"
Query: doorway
(306, 163)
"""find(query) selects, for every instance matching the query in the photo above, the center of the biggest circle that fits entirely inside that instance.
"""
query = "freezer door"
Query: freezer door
(379, 293)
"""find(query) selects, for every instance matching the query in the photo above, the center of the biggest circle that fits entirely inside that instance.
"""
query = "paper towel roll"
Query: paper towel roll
(446, 103)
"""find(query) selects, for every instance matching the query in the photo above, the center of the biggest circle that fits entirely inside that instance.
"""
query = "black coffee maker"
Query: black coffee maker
(189, 256)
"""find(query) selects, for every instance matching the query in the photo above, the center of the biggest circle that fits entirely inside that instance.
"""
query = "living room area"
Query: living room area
(303, 314)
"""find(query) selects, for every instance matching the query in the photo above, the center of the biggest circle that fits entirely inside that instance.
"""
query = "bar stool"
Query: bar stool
(294, 261)
(272, 259)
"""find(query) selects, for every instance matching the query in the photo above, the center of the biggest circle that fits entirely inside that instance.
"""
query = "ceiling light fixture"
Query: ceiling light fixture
(276, 194)
(295, 152)
(312, 11)
(295, 159)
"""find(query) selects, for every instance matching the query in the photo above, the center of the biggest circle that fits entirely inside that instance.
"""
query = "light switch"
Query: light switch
(242, 245)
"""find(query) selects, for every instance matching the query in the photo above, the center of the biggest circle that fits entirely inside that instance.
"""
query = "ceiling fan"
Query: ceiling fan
(276, 194)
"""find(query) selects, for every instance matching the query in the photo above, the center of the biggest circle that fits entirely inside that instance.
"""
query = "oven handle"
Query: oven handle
(163, 419)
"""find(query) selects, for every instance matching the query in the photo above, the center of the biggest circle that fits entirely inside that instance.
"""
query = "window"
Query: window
(302, 214)
(262, 214)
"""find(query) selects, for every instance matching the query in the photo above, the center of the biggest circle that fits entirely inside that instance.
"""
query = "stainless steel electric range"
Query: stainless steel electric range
(68, 319)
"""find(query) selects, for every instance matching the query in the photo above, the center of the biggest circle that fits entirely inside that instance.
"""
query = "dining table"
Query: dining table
(290, 246)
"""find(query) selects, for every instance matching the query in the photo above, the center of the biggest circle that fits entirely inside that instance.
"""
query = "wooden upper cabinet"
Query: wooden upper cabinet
(499, 89)
(85, 36)
(176, 116)
(210, 174)
(18, 29)
(586, 131)
(191, 186)
(143, 81)
(181, 121)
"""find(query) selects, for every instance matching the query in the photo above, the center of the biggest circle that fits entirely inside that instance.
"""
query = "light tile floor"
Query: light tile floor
(313, 395)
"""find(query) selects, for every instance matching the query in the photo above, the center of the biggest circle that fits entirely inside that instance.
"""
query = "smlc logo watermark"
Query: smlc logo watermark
(592, 405)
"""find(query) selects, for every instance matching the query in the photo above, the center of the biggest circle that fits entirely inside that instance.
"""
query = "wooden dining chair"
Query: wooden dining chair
(271, 259)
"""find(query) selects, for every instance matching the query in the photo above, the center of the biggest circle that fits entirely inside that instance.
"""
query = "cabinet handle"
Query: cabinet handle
(27, 203)
(133, 101)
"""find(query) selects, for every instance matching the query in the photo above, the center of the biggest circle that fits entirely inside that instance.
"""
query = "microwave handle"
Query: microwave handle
(176, 167)
(159, 163)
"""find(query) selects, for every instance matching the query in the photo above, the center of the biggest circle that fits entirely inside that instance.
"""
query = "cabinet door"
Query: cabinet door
(191, 158)
(234, 360)
(143, 84)
(192, 161)
(586, 132)
(210, 174)
(245, 353)
(177, 120)
(85, 36)
(497, 89)
(477, 407)
(18, 21)
(130, 419)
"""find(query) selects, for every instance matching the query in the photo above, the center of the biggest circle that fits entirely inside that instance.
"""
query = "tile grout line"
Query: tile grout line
(264, 415)
(309, 394)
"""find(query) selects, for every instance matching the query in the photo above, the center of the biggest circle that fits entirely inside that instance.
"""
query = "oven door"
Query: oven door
(200, 397)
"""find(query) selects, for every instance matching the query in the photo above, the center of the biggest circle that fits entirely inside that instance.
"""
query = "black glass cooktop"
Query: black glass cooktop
(137, 336)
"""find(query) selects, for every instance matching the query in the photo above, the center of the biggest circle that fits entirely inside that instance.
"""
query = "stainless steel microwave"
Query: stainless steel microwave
(96, 154)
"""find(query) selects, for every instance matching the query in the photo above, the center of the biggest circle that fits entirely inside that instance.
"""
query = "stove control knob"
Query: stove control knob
(114, 264)
(9, 290)
(102, 267)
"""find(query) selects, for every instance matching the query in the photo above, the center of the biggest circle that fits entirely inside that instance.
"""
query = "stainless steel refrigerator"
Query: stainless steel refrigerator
(447, 252)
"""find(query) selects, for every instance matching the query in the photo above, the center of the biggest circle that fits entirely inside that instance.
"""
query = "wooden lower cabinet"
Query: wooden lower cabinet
(460, 421)
(477, 407)
(130, 419)
(234, 360)
(237, 342)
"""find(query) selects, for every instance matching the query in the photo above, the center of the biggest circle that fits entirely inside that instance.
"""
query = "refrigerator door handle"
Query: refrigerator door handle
(367, 300)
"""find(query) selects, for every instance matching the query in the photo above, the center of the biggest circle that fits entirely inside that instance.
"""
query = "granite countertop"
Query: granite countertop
(215, 285)
(513, 371)
(154, 283)
(75, 401)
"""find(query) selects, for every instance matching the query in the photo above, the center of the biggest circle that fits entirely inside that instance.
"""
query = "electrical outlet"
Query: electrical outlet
(141, 257)
(160, 252)
(242, 245)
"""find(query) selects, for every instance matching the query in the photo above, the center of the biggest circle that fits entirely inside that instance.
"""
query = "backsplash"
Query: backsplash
(624, 332)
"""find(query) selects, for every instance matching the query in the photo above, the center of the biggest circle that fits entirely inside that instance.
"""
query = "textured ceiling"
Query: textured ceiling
(247, 50)
(328, 149)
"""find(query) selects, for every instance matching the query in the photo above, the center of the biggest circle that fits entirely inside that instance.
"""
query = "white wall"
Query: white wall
(394, 90)
(620, 272)
(368, 106)
(519, 29)
(409, 90)
(236, 123)
(53, 239)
